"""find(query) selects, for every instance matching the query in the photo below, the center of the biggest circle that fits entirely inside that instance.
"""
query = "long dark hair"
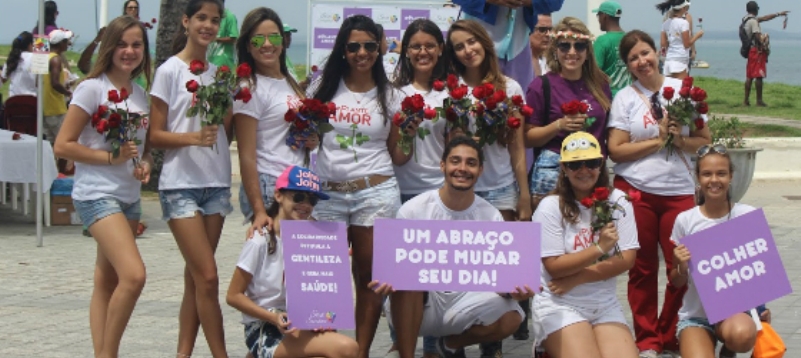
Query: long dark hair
(21, 44)
(113, 34)
(567, 198)
(50, 10)
(490, 68)
(668, 5)
(337, 67)
(699, 195)
(192, 8)
(253, 19)
(405, 69)
(125, 7)
(272, 212)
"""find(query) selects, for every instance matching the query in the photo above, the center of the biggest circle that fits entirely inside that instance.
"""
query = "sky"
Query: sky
(79, 15)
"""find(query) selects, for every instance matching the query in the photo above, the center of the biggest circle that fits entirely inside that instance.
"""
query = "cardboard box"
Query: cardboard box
(62, 212)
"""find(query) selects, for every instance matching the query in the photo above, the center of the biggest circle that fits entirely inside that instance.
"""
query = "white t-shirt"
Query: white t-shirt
(498, 172)
(22, 81)
(271, 100)
(266, 288)
(192, 166)
(561, 238)
(96, 181)
(429, 206)
(656, 173)
(688, 223)
(673, 28)
(422, 173)
(357, 147)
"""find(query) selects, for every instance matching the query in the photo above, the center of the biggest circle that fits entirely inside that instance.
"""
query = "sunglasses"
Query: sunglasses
(706, 149)
(656, 107)
(579, 46)
(543, 29)
(258, 41)
(369, 46)
(590, 164)
(132, 7)
(299, 197)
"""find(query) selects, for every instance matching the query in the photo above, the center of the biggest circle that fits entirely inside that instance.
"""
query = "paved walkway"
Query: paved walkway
(44, 292)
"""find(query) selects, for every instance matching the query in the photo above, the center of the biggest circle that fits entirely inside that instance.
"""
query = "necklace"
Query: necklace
(357, 99)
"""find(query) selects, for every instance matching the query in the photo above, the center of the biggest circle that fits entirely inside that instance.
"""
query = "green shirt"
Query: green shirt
(224, 54)
(607, 55)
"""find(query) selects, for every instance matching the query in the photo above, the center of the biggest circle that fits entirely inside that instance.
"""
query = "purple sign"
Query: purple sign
(319, 290)
(350, 11)
(393, 35)
(409, 15)
(735, 266)
(435, 255)
(325, 38)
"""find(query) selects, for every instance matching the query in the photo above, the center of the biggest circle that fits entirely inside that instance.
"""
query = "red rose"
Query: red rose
(16, 136)
(243, 71)
(488, 88)
(703, 108)
(102, 110)
(459, 93)
(601, 193)
(439, 85)
(430, 113)
(583, 107)
(197, 67)
(418, 103)
(314, 68)
(668, 93)
(699, 123)
(499, 96)
(571, 108)
(290, 115)
(491, 103)
(244, 95)
(102, 126)
(453, 82)
(224, 69)
(192, 86)
(478, 92)
(526, 111)
(153, 20)
(332, 108)
(123, 94)
(114, 96)
(684, 92)
(517, 100)
(697, 94)
(587, 202)
(634, 195)
(451, 115)
(301, 124)
(687, 82)
(397, 119)
(479, 109)
(96, 119)
(114, 120)
(513, 122)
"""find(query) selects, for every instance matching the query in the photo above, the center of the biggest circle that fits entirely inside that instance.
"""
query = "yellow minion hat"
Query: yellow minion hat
(580, 146)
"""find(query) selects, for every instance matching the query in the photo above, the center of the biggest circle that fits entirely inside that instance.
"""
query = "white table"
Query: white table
(18, 166)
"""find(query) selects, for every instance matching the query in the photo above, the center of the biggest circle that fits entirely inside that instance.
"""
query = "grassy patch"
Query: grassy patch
(726, 96)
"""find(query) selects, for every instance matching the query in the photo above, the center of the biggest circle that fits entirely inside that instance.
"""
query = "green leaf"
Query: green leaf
(344, 142)
(325, 128)
(361, 139)
(423, 132)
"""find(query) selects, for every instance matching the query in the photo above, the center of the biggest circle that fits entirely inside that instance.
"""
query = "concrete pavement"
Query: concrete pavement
(44, 292)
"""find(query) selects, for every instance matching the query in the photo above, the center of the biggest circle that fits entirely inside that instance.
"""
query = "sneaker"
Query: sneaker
(650, 353)
(446, 352)
(670, 354)
(491, 349)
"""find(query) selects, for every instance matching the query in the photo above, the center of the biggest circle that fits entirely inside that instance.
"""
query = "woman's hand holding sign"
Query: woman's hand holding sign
(383, 289)
(520, 294)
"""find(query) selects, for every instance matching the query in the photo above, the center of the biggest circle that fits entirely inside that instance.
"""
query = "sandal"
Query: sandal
(141, 229)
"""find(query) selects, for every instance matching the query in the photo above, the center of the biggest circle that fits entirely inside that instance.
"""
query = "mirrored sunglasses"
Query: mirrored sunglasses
(259, 40)
(706, 149)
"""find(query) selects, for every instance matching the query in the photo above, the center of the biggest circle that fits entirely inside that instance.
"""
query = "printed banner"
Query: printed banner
(40, 61)
(735, 266)
(319, 290)
(436, 255)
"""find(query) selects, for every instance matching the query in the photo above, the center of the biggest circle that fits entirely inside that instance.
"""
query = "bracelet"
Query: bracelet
(599, 248)
(109, 158)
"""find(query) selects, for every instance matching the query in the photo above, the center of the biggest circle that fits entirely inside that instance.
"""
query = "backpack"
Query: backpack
(745, 40)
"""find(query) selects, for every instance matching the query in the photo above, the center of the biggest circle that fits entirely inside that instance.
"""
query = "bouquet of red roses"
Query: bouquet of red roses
(310, 119)
(576, 107)
(118, 125)
(686, 109)
(603, 209)
(456, 107)
(149, 24)
(494, 114)
(212, 101)
(413, 108)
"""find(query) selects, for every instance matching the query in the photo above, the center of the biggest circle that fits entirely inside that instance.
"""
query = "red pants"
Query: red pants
(655, 216)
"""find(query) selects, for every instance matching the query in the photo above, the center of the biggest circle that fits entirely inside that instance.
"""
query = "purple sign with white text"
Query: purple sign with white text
(735, 266)
(319, 290)
(477, 256)
(325, 38)
(409, 15)
(350, 11)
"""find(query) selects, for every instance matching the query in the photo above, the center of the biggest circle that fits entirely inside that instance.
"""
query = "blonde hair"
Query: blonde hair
(490, 67)
(108, 44)
(590, 72)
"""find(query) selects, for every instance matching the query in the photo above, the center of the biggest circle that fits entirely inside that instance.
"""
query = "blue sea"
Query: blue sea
(723, 56)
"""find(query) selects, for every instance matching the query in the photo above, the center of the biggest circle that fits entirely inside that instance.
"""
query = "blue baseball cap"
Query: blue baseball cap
(300, 179)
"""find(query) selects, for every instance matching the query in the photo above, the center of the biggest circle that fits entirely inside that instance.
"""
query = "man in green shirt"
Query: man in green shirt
(222, 51)
(606, 46)
(288, 31)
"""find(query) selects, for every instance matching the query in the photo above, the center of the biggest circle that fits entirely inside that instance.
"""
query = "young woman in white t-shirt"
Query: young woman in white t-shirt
(697, 337)
(16, 70)
(578, 312)
(638, 128)
(261, 130)
(258, 289)
(355, 159)
(195, 181)
(106, 191)
(676, 38)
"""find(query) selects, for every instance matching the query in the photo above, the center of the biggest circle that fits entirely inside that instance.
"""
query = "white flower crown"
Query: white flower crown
(571, 35)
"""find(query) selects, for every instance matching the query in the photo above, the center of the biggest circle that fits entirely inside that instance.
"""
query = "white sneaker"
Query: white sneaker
(671, 354)
(650, 353)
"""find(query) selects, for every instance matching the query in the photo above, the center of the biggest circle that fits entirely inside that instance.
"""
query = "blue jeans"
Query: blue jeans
(267, 186)
(91, 211)
(183, 203)
(545, 173)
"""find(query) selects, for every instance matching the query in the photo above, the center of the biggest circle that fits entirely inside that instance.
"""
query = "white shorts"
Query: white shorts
(451, 313)
(674, 66)
(550, 314)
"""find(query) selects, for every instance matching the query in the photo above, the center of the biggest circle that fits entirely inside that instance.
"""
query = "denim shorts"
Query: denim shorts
(546, 173)
(502, 198)
(361, 208)
(262, 339)
(183, 203)
(696, 322)
(267, 186)
(91, 211)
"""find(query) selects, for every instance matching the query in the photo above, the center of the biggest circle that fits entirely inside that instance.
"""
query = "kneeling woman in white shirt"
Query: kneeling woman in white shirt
(257, 288)
(578, 313)
(697, 337)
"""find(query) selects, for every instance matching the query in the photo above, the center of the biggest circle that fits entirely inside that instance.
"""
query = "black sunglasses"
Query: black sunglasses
(706, 149)
(590, 164)
(656, 107)
(300, 197)
(369, 46)
(543, 29)
(580, 46)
